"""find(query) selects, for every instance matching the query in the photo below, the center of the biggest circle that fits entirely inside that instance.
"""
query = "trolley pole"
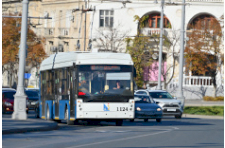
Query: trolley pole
(19, 112)
(159, 87)
(181, 60)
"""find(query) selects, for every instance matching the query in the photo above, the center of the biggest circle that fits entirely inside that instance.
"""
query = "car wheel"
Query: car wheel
(146, 120)
(158, 120)
(178, 116)
(119, 122)
(131, 120)
(66, 117)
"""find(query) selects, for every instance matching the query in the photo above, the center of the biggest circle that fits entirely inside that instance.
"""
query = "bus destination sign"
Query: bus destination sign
(105, 67)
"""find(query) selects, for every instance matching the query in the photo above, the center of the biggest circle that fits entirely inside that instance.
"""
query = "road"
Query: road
(170, 133)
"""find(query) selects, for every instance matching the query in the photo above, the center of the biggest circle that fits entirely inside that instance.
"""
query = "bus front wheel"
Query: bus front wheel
(119, 122)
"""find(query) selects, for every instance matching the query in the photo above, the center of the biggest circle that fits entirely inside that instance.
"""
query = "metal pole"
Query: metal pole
(180, 95)
(159, 87)
(85, 17)
(20, 97)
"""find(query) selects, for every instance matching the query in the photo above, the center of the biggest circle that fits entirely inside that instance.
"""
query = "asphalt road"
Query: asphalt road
(170, 133)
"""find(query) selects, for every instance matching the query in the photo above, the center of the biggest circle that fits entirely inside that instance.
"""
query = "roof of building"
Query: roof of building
(67, 59)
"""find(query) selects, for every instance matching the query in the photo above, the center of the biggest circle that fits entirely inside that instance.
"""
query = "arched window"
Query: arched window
(153, 21)
(203, 21)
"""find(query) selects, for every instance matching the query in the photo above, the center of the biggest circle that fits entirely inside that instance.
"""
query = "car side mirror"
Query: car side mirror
(175, 98)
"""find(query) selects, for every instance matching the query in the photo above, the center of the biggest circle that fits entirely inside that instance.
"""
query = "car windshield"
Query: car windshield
(8, 95)
(160, 95)
(32, 94)
(142, 99)
(105, 83)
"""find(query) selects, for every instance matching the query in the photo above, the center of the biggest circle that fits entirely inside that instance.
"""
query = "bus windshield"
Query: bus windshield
(101, 83)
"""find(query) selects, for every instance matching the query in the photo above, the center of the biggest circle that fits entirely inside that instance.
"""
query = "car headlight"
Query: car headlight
(179, 103)
(138, 109)
(8, 104)
(159, 109)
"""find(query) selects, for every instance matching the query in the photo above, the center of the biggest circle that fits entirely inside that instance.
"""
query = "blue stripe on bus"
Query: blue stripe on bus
(49, 104)
(62, 107)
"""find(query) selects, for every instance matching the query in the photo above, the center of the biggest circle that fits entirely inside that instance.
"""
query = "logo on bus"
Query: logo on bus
(106, 107)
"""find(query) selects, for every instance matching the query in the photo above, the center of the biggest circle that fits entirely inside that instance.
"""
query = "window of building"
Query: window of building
(202, 21)
(153, 21)
(106, 18)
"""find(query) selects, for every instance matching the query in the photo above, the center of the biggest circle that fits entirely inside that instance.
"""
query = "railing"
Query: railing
(64, 31)
(190, 81)
(197, 81)
(49, 31)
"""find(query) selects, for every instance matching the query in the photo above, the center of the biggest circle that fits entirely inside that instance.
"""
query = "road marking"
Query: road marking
(121, 139)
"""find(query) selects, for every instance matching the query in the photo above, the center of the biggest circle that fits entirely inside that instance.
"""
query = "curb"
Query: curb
(203, 116)
(53, 126)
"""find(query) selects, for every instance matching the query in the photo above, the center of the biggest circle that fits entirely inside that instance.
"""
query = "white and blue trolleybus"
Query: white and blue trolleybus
(87, 86)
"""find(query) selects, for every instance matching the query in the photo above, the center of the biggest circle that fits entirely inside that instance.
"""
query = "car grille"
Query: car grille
(171, 105)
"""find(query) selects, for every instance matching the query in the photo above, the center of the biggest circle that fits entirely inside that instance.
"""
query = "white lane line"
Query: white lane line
(120, 139)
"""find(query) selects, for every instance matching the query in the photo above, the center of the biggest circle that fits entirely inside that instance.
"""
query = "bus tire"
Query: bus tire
(66, 116)
(119, 122)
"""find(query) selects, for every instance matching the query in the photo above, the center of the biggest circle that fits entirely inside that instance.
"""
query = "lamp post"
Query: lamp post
(159, 87)
(20, 97)
(180, 95)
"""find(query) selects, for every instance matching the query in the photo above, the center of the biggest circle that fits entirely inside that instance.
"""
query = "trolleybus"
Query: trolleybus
(87, 86)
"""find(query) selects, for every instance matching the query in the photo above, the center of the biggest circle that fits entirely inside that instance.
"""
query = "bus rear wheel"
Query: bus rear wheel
(119, 122)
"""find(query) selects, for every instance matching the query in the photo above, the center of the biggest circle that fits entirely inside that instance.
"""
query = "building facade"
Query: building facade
(108, 23)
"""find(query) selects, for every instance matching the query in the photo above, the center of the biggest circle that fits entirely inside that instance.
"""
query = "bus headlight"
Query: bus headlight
(159, 109)
(138, 109)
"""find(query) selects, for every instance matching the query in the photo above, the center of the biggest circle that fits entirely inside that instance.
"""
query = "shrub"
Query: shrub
(209, 98)
(220, 98)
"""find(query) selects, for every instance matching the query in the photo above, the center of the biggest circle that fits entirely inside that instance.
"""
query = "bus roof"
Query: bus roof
(66, 59)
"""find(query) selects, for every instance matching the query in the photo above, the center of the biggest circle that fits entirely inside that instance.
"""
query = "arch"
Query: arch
(154, 20)
(202, 15)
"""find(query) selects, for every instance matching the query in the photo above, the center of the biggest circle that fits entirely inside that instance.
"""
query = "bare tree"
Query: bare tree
(111, 39)
(169, 43)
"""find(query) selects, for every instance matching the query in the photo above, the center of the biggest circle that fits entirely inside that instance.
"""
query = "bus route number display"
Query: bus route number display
(105, 67)
(122, 108)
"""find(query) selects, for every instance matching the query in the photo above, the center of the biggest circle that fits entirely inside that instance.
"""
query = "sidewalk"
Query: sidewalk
(199, 102)
(202, 116)
(10, 126)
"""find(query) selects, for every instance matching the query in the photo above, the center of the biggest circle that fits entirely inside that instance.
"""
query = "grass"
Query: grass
(204, 110)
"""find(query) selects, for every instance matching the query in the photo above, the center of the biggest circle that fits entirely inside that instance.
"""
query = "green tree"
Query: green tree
(10, 46)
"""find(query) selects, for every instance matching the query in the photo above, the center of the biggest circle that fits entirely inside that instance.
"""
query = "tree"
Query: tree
(111, 39)
(152, 42)
(203, 50)
(10, 47)
(169, 42)
(139, 51)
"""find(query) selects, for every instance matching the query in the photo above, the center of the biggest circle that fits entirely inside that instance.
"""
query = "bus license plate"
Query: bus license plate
(171, 110)
(122, 108)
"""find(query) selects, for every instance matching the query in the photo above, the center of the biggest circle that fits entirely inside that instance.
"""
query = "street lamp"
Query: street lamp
(180, 95)
(159, 87)
(20, 96)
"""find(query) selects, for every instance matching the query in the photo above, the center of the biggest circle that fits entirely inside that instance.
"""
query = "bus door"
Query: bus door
(57, 96)
(73, 94)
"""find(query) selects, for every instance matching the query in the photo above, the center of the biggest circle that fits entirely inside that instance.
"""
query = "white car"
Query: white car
(170, 105)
